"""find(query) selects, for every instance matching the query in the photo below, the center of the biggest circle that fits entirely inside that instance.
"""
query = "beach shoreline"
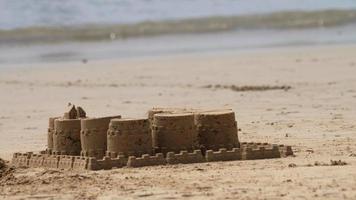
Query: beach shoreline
(239, 40)
(316, 116)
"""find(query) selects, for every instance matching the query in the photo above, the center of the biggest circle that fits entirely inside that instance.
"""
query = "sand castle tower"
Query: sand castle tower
(173, 132)
(93, 136)
(50, 132)
(129, 137)
(217, 129)
(66, 137)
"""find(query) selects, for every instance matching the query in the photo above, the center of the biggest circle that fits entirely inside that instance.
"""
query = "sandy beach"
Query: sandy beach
(316, 116)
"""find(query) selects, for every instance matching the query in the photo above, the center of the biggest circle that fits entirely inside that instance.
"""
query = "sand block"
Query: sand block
(112, 154)
(146, 160)
(257, 144)
(260, 152)
(66, 162)
(36, 160)
(175, 150)
(95, 164)
(184, 157)
(253, 144)
(119, 161)
(21, 159)
(252, 153)
(285, 150)
(51, 161)
(271, 151)
(220, 146)
(80, 163)
(223, 155)
(91, 163)
(127, 154)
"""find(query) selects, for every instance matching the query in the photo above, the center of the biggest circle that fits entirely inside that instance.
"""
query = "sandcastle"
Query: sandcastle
(167, 136)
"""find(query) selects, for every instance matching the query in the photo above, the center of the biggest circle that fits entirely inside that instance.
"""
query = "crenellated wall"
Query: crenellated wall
(252, 152)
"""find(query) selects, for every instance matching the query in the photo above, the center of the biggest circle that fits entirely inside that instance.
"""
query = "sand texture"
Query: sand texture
(302, 96)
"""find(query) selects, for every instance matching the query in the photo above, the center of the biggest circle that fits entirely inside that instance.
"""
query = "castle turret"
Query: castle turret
(93, 136)
(217, 129)
(129, 137)
(174, 132)
(50, 132)
(66, 137)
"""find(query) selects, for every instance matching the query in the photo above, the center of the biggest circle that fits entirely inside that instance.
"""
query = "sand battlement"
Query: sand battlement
(261, 151)
(184, 157)
(146, 160)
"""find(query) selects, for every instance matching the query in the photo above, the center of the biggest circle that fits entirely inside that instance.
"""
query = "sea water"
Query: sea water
(72, 30)
(30, 13)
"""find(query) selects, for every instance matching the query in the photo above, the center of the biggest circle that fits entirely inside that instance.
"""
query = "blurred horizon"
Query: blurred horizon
(17, 14)
(43, 31)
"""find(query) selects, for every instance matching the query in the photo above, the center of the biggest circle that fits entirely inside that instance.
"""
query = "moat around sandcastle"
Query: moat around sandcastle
(167, 136)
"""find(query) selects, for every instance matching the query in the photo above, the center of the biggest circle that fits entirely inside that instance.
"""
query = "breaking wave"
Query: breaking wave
(96, 32)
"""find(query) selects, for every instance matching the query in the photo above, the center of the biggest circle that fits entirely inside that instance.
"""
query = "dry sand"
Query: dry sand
(317, 116)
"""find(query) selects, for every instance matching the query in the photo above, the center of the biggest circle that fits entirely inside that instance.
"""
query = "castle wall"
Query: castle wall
(223, 155)
(249, 151)
(21, 159)
(146, 160)
(80, 163)
(66, 162)
(184, 157)
(51, 161)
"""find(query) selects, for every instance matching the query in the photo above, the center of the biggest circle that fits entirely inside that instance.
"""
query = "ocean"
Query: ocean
(43, 13)
(67, 30)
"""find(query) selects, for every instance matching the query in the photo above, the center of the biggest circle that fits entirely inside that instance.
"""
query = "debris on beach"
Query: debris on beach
(246, 88)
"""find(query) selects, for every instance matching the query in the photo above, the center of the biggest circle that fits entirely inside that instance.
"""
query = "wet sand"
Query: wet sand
(316, 115)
